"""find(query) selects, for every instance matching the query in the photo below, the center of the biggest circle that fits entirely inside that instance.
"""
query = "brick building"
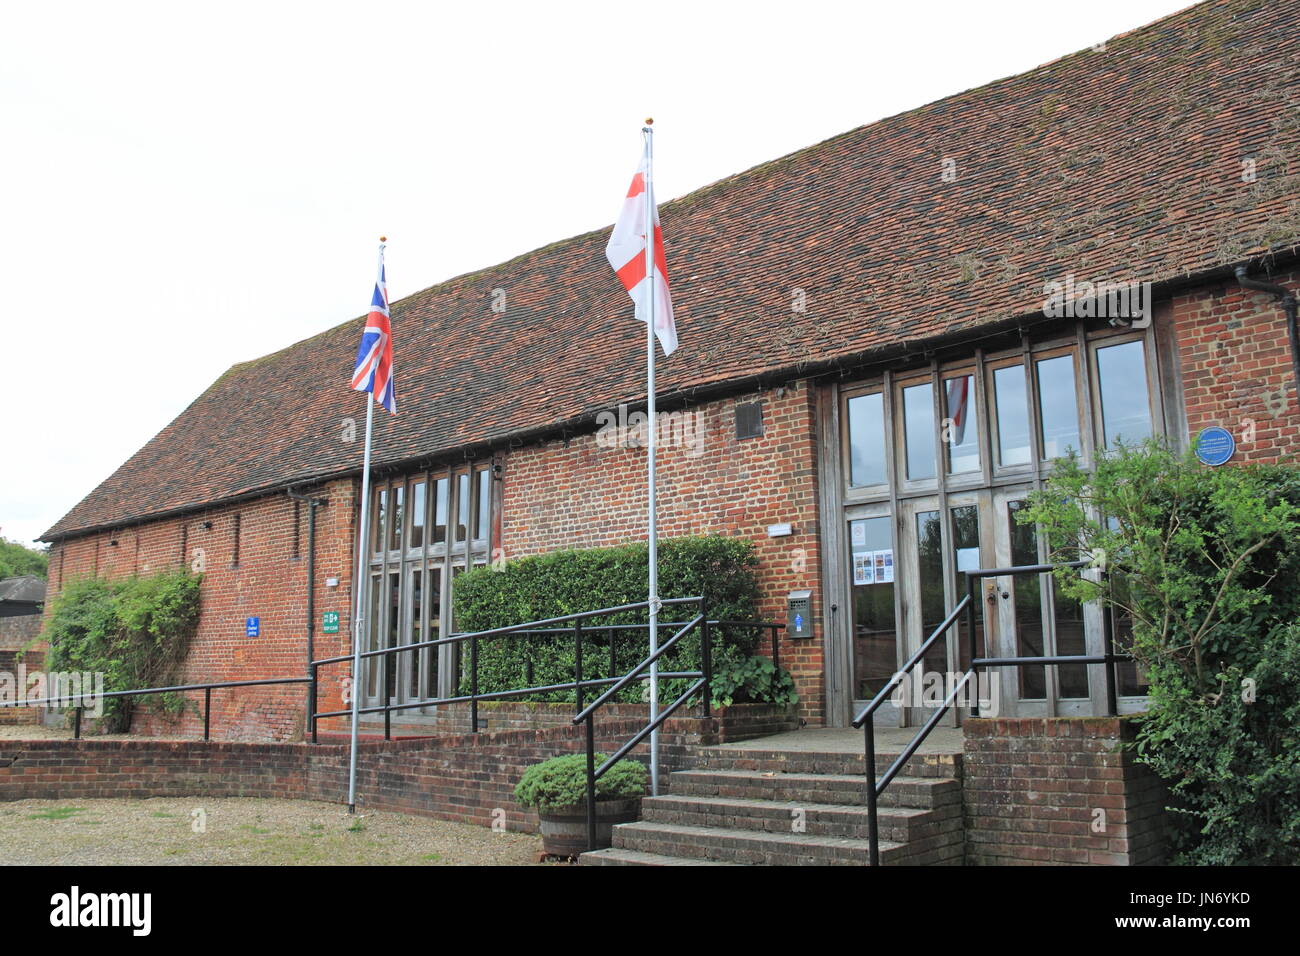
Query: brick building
(886, 340)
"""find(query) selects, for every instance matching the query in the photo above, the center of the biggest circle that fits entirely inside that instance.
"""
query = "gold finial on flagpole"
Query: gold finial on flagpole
(649, 121)
(383, 238)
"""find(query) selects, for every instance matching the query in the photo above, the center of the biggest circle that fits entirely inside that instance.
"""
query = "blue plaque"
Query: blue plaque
(252, 627)
(1215, 446)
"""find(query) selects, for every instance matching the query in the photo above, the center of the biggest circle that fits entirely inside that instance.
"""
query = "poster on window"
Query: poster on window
(885, 567)
(858, 533)
(864, 568)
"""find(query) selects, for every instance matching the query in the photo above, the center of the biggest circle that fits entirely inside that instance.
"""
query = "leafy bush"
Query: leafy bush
(562, 782)
(753, 679)
(135, 632)
(567, 582)
(1205, 563)
(17, 560)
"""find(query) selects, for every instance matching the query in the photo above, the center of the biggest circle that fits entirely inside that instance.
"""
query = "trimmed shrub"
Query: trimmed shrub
(562, 782)
(567, 582)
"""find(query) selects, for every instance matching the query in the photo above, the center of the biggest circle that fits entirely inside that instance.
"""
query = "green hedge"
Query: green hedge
(567, 582)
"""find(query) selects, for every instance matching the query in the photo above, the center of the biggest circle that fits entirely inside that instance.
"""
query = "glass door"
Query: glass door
(874, 635)
(1035, 619)
(942, 539)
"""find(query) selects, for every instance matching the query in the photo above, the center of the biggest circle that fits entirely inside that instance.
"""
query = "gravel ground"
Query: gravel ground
(243, 831)
(32, 732)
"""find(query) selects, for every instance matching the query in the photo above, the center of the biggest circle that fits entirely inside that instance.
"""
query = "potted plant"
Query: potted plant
(558, 789)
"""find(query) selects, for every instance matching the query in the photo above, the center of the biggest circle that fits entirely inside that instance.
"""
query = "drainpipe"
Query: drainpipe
(312, 505)
(1288, 300)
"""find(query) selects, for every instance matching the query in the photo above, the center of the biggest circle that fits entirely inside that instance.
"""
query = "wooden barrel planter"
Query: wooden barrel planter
(564, 829)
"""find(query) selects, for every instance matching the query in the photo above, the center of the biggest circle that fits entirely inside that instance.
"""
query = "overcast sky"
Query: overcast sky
(186, 186)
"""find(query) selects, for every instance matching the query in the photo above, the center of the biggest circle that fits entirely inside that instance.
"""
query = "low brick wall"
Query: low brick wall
(468, 778)
(1059, 791)
(16, 634)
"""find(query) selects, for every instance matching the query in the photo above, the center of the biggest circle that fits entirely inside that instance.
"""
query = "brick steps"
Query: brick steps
(756, 806)
(896, 823)
(921, 792)
(619, 856)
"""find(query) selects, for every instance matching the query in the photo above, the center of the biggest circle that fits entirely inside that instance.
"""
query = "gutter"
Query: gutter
(1288, 300)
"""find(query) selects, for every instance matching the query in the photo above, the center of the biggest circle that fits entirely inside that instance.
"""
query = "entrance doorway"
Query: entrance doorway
(928, 470)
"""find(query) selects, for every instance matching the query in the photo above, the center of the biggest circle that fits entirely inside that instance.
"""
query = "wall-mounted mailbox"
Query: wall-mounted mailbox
(799, 614)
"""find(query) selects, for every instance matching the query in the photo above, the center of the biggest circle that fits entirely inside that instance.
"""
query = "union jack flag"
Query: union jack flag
(374, 370)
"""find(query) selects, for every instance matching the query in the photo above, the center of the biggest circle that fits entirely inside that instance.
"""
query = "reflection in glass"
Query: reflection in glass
(1125, 404)
(875, 632)
(961, 425)
(433, 602)
(966, 557)
(411, 660)
(462, 505)
(381, 517)
(866, 440)
(395, 519)
(1058, 408)
(417, 516)
(1029, 605)
(929, 575)
(1011, 398)
(918, 430)
(440, 511)
(484, 499)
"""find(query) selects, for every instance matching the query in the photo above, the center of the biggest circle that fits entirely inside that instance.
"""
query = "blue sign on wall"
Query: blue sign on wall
(253, 627)
(1215, 446)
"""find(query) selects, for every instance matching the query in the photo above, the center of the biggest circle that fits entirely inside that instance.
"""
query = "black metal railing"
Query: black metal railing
(76, 701)
(966, 607)
(582, 637)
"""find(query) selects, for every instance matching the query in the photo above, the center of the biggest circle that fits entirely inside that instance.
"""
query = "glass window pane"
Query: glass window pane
(1068, 618)
(961, 424)
(966, 557)
(411, 660)
(929, 574)
(1029, 605)
(440, 511)
(484, 501)
(373, 625)
(462, 505)
(918, 429)
(1058, 408)
(875, 632)
(1125, 403)
(381, 517)
(1011, 398)
(867, 440)
(418, 502)
(395, 519)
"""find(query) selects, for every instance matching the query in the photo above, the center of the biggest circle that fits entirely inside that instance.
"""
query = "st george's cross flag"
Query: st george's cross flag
(626, 253)
(374, 369)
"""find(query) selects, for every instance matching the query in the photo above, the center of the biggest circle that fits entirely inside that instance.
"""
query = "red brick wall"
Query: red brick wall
(1059, 791)
(1236, 367)
(267, 583)
(469, 778)
(580, 495)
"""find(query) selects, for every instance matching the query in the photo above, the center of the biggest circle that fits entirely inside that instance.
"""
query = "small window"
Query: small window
(961, 424)
(1125, 401)
(918, 430)
(462, 506)
(1010, 396)
(440, 510)
(395, 521)
(1058, 406)
(482, 502)
(415, 538)
(749, 420)
(866, 440)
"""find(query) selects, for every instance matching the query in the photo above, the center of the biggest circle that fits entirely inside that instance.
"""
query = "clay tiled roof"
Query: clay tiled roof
(1122, 164)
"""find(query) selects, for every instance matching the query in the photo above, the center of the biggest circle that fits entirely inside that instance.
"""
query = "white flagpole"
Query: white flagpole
(650, 449)
(360, 582)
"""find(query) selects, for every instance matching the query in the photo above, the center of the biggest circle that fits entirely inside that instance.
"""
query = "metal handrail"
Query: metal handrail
(208, 688)
(866, 718)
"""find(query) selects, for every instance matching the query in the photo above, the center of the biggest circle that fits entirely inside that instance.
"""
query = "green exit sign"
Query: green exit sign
(330, 622)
